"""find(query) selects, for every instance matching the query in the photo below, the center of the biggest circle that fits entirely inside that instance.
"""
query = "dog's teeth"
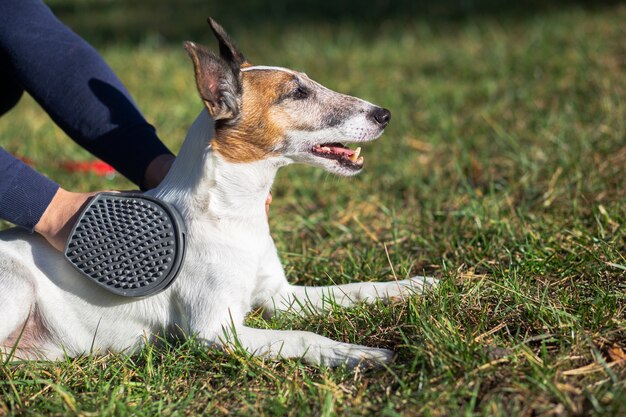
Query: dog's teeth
(355, 155)
(325, 148)
(360, 160)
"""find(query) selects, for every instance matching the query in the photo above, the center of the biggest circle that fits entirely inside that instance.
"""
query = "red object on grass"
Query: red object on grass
(97, 167)
(26, 160)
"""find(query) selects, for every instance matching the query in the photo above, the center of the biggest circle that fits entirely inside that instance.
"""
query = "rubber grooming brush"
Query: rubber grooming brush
(129, 244)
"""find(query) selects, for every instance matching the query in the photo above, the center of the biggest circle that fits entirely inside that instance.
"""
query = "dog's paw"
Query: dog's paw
(372, 358)
(419, 284)
(355, 356)
(397, 291)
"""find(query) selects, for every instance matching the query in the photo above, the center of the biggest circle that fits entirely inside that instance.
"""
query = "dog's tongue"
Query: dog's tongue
(339, 149)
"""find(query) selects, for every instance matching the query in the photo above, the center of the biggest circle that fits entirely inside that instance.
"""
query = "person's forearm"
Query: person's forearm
(24, 193)
(70, 80)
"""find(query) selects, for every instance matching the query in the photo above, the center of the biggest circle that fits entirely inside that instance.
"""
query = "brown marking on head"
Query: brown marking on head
(248, 125)
(260, 129)
(239, 103)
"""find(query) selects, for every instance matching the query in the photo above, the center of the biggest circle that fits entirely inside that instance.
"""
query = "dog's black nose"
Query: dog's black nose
(381, 116)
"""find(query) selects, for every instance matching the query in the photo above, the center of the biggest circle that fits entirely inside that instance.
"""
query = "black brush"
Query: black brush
(129, 244)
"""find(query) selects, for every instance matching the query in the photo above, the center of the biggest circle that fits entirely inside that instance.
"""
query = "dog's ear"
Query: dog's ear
(218, 81)
(228, 49)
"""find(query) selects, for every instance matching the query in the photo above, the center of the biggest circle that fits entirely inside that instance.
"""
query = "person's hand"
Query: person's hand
(57, 221)
(157, 170)
(267, 205)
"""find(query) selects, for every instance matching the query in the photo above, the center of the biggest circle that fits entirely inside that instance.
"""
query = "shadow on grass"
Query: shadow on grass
(119, 21)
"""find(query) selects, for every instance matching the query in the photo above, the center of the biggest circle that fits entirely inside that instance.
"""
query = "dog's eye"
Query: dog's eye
(300, 93)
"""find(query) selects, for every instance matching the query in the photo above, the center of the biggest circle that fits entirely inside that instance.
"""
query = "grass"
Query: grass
(502, 173)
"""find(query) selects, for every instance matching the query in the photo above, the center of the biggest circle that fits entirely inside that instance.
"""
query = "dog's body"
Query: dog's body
(266, 118)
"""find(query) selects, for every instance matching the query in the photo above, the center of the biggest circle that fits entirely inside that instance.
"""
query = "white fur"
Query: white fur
(267, 68)
(231, 266)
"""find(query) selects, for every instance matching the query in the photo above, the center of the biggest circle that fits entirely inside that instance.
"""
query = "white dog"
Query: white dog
(265, 118)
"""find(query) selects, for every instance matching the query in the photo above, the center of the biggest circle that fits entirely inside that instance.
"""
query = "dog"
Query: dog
(255, 120)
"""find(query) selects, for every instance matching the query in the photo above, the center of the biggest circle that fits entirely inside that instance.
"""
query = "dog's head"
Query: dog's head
(263, 112)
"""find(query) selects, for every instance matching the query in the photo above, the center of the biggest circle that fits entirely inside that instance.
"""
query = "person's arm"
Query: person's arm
(79, 91)
(24, 193)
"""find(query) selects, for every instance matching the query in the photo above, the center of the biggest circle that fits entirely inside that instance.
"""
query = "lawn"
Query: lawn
(503, 173)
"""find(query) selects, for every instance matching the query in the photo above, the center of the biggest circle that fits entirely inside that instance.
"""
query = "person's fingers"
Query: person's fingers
(268, 201)
(157, 170)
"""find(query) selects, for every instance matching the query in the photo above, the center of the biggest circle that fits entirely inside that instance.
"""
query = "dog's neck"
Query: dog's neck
(204, 186)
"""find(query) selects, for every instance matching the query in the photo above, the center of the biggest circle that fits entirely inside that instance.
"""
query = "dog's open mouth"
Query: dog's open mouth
(342, 154)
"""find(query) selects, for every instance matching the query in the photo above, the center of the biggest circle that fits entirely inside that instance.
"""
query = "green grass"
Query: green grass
(503, 173)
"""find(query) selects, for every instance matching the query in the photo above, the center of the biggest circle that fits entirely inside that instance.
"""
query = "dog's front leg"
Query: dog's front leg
(275, 294)
(300, 299)
(308, 346)
(280, 344)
